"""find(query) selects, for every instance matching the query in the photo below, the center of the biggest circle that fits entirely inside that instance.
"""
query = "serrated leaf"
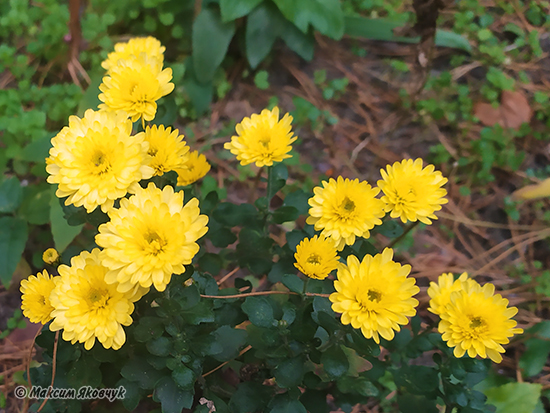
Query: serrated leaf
(285, 214)
(233, 339)
(13, 238)
(299, 200)
(211, 38)
(160, 346)
(35, 208)
(293, 283)
(138, 370)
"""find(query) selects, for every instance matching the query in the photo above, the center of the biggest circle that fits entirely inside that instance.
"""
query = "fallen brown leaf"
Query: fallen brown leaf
(514, 110)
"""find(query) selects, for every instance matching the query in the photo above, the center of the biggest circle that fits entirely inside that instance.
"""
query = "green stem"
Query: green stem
(408, 229)
(269, 179)
(304, 292)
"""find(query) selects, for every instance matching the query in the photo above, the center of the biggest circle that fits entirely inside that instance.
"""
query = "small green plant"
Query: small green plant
(14, 322)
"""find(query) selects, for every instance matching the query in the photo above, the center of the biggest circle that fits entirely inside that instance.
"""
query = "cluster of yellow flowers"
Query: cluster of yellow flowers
(95, 161)
(376, 295)
(474, 319)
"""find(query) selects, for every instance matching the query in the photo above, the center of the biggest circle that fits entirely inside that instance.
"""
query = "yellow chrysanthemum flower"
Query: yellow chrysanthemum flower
(35, 301)
(345, 209)
(194, 169)
(412, 193)
(262, 138)
(316, 257)
(374, 295)
(134, 86)
(440, 293)
(95, 160)
(133, 48)
(167, 148)
(478, 322)
(50, 256)
(86, 307)
(150, 237)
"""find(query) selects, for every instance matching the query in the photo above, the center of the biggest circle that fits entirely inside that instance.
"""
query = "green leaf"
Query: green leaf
(537, 349)
(335, 362)
(315, 401)
(201, 313)
(262, 27)
(137, 369)
(211, 38)
(293, 283)
(283, 403)
(211, 263)
(63, 233)
(171, 397)
(90, 99)
(148, 328)
(199, 93)
(38, 150)
(35, 208)
(259, 311)
(301, 43)
(233, 215)
(299, 200)
(233, 9)
(233, 339)
(390, 229)
(84, 372)
(11, 194)
(184, 377)
(289, 373)
(514, 397)
(285, 214)
(325, 15)
(131, 396)
(221, 238)
(357, 385)
(249, 397)
(278, 174)
(13, 238)
(160, 346)
(414, 404)
(382, 29)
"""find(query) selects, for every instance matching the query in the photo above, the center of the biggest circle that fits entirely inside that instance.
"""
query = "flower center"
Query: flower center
(477, 323)
(264, 140)
(153, 151)
(374, 295)
(101, 163)
(156, 243)
(314, 259)
(347, 205)
(98, 298)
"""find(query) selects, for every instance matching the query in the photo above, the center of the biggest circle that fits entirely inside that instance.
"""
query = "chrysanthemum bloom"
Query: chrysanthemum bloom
(478, 322)
(133, 48)
(316, 257)
(167, 148)
(35, 301)
(194, 169)
(374, 295)
(86, 307)
(150, 237)
(134, 85)
(345, 209)
(262, 138)
(412, 193)
(440, 293)
(50, 256)
(95, 160)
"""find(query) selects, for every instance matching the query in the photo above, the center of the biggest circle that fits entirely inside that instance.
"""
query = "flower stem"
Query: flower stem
(227, 297)
(408, 229)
